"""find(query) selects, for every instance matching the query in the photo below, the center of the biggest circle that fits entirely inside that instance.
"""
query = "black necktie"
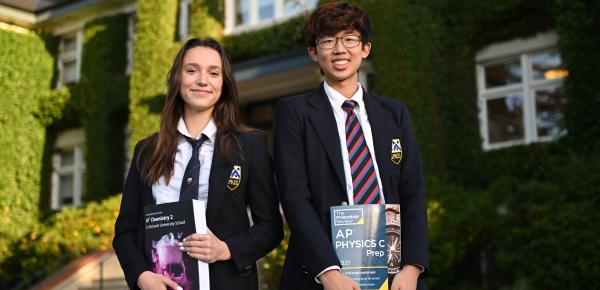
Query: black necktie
(190, 182)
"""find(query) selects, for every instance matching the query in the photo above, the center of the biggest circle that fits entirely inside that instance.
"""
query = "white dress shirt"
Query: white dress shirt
(164, 192)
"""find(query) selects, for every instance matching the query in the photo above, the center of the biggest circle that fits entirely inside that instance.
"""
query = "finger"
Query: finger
(169, 283)
(202, 257)
(196, 237)
(198, 244)
(200, 251)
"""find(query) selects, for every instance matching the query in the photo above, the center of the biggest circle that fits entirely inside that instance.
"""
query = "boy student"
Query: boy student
(341, 145)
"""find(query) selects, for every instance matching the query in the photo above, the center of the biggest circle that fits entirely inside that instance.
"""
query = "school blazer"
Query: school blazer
(226, 216)
(310, 179)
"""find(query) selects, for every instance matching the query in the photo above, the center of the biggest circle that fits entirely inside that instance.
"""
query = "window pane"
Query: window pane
(67, 158)
(505, 118)
(503, 74)
(69, 71)
(293, 6)
(65, 186)
(547, 66)
(242, 12)
(548, 106)
(266, 9)
(69, 43)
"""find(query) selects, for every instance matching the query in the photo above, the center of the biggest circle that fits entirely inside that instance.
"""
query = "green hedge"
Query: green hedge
(578, 26)
(526, 210)
(25, 77)
(103, 90)
(274, 39)
(153, 54)
(433, 45)
(67, 235)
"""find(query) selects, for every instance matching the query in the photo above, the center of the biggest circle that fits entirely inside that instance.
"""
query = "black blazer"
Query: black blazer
(310, 179)
(226, 216)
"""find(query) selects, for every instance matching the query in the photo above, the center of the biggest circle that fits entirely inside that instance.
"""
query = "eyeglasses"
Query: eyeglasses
(348, 41)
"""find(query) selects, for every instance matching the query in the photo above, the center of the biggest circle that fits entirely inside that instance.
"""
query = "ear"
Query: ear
(366, 49)
(312, 52)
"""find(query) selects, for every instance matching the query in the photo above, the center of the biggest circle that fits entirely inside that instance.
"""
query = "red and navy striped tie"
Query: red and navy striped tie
(364, 179)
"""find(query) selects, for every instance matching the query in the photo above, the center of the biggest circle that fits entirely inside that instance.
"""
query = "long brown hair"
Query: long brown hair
(163, 145)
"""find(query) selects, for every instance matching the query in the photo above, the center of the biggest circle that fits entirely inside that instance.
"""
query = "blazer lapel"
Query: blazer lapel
(324, 124)
(381, 121)
(219, 173)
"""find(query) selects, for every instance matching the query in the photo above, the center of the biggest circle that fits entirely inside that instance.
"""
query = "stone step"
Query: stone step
(108, 284)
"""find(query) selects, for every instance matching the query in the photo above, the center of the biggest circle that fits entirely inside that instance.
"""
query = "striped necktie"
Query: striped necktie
(190, 183)
(364, 179)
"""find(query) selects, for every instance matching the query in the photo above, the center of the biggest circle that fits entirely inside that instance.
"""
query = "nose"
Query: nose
(201, 79)
(339, 46)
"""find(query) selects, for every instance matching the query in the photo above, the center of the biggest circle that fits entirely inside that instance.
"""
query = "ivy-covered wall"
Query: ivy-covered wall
(153, 54)
(26, 69)
(516, 218)
(33, 113)
(103, 90)
(502, 219)
(424, 54)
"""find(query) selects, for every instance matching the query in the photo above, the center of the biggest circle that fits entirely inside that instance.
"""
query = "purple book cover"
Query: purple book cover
(167, 225)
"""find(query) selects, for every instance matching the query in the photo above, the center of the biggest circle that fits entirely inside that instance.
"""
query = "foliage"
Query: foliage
(433, 45)
(103, 93)
(67, 235)
(206, 19)
(524, 213)
(272, 264)
(153, 53)
(24, 78)
(278, 38)
(578, 25)
(550, 220)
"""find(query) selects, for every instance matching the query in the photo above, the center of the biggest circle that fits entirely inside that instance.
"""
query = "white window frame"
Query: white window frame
(364, 71)
(254, 22)
(130, 42)
(66, 56)
(68, 140)
(500, 53)
(183, 28)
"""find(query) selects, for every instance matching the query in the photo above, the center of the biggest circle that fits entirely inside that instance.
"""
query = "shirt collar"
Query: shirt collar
(210, 130)
(336, 99)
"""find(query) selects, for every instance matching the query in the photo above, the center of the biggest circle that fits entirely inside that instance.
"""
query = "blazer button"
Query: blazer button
(303, 266)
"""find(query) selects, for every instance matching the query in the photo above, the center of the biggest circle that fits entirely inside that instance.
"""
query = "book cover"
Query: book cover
(168, 224)
(367, 241)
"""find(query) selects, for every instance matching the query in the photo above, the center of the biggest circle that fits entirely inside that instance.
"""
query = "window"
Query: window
(183, 26)
(69, 58)
(68, 169)
(519, 88)
(242, 15)
(366, 76)
(130, 42)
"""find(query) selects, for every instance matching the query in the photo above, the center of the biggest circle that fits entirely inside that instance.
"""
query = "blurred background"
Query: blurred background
(504, 97)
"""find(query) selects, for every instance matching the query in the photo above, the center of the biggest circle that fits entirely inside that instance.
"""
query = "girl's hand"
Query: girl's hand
(205, 247)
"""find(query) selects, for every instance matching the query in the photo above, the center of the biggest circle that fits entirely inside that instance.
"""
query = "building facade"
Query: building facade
(500, 95)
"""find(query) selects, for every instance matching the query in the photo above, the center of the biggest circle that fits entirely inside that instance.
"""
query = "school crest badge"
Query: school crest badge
(396, 151)
(235, 177)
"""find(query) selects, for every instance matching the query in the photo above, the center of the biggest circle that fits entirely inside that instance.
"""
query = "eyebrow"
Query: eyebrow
(195, 65)
(346, 34)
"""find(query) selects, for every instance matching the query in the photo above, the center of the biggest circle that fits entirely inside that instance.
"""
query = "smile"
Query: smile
(340, 62)
(199, 91)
